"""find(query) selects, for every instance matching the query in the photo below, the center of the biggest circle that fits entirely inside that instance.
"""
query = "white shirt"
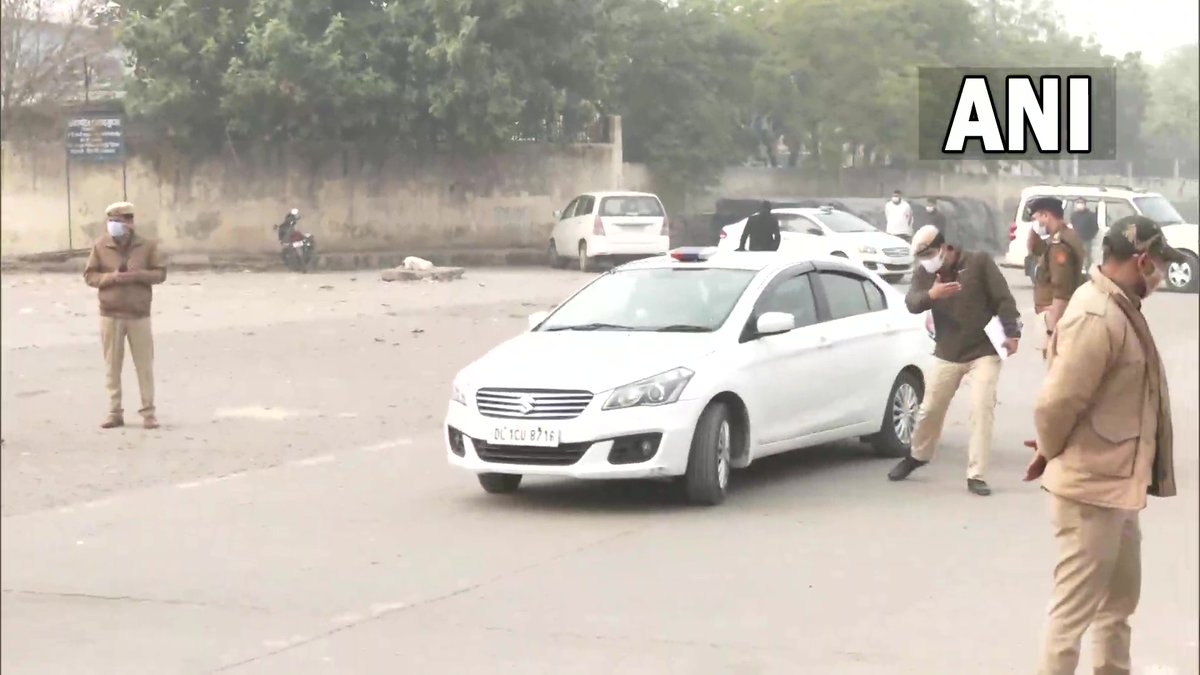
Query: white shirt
(899, 217)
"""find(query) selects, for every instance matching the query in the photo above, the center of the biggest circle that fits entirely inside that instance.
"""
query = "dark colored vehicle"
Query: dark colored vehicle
(297, 248)
(970, 223)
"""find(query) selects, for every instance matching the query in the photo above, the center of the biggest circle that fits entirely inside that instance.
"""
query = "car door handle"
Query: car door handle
(824, 343)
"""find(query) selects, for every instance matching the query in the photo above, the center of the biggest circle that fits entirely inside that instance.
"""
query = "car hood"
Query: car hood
(592, 360)
(1182, 235)
(879, 240)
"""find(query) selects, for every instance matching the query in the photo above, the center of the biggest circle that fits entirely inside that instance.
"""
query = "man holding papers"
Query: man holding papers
(977, 326)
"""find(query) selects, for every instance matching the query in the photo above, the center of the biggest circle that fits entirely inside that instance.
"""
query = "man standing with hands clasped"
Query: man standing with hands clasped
(123, 266)
(1103, 420)
(965, 291)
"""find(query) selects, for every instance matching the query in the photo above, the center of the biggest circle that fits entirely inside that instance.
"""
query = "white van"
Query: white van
(1110, 203)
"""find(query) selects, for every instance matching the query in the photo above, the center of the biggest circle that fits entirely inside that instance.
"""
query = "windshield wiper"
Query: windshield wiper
(592, 326)
(683, 328)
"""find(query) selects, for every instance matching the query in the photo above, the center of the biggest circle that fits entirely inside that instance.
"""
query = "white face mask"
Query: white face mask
(1041, 230)
(933, 264)
(116, 228)
(929, 209)
(895, 200)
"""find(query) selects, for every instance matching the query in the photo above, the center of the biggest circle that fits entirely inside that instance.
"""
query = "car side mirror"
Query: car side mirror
(774, 323)
(816, 231)
(537, 318)
(558, 215)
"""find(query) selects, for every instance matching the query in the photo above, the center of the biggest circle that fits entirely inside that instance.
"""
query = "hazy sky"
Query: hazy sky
(1152, 27)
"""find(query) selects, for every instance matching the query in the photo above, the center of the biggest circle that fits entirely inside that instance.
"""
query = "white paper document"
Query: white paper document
(995, 333)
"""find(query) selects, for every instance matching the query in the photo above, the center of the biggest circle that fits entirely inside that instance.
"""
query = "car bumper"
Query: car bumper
(886, 265)
(599, 246)
(595, 428)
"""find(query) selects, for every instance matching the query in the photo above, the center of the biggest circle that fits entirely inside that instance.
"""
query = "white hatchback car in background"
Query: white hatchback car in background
(829, 231)
(1110, 204)
(691, 365)
(609, 225)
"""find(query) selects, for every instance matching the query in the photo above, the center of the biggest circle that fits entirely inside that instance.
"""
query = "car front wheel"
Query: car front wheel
(1184, 276)
(707, 477)
(552, 257)
(899, 417)
(499, 483)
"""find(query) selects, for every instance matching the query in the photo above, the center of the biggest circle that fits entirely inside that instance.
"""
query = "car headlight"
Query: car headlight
(869, 250)
(661, 389)
(456, 395)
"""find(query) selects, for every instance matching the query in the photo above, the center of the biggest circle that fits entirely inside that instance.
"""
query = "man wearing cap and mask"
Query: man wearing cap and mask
(964, 290)
(123, 266)
(1103, 419)
(1061, 257)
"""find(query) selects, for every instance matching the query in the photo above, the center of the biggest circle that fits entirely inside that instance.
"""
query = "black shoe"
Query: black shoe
(904, 468)
(977, 486)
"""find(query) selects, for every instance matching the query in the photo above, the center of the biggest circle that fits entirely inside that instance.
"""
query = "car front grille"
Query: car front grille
(896, 252)
(564, 454)
(896, 268)
(532, 404)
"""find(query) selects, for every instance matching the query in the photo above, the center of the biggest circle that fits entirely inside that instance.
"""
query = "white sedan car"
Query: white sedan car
(690, 365)
(828, 231)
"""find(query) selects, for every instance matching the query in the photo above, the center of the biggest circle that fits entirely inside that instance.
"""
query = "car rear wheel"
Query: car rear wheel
(586, 264)
(499, 483)
(707, 477)
(899, 417)
(1184, 276)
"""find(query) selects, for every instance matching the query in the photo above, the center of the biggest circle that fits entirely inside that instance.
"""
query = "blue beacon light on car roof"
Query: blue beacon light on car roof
(693, 253)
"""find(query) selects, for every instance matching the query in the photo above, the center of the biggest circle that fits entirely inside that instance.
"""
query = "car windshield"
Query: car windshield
(842, 222)
(661, 299)
(1158, 209)
(631, 205)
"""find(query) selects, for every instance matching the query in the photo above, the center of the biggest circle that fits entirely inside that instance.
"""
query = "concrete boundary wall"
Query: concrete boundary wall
(228, 203)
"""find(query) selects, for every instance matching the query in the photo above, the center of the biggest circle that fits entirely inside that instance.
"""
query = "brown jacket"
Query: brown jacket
(1060, 266)
(958, 321)
(1097, 416)
(129, 298)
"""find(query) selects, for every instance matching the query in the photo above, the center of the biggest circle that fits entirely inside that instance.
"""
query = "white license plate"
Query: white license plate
(298, 244)
(525, 434)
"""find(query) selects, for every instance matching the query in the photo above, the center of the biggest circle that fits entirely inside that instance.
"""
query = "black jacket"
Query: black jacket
(762, 232)
(1085, 225)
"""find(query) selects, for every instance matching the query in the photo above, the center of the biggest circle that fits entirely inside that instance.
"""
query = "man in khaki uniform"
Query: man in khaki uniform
(1060, 254)
(123, 266)
(1103, 420)
(964, 290)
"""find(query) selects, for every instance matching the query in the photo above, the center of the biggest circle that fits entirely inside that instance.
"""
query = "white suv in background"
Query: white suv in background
(608, 225)
(1110, 203)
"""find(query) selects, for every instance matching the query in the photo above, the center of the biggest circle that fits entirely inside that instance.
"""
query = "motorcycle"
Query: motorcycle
(298, 249)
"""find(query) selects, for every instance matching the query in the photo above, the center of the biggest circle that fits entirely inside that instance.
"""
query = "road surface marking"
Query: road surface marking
(387, 445)
(210, 480)
(313, 461)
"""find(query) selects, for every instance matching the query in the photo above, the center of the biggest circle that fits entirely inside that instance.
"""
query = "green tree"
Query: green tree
(459, 74)
(682, 89)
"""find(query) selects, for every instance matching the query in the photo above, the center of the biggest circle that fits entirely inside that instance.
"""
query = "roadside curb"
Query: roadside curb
(74, 262)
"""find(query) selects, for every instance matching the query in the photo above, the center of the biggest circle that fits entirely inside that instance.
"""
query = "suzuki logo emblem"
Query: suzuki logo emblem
(525, 404)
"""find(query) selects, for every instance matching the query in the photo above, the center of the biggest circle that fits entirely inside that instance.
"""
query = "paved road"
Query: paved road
(295, 514)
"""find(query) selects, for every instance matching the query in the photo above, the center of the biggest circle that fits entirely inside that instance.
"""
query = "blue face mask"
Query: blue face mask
(116, 228)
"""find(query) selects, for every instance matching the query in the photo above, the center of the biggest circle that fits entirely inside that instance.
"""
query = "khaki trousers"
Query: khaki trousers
(1097, 582)
(113, 334)
(945, 377)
